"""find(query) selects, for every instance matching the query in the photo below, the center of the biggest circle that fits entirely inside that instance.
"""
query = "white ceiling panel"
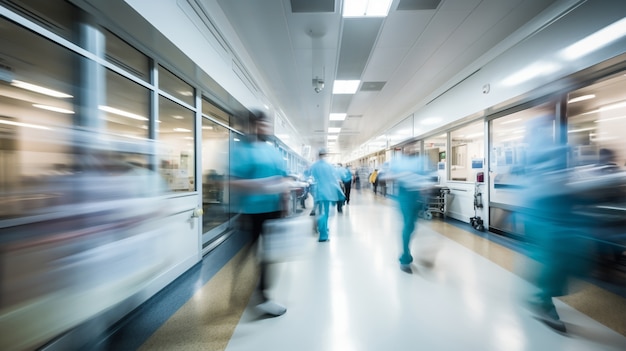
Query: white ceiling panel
(416, 53)
(403, 28)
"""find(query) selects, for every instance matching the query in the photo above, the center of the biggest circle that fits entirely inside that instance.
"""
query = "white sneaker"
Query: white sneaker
(271, 308)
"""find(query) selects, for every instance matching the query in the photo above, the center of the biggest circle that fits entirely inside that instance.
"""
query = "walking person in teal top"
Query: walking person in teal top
(259, 183)
(327, 191)
(408, 173)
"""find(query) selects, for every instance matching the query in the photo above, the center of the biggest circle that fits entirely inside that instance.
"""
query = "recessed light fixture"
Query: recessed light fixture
(54, 109)
(581, 98)
(337, 116)
(345, 86)
(334, 130)
(39, 89)
(122, 113)
(366, 8)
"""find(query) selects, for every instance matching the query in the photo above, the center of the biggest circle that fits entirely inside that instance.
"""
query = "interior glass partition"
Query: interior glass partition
(467, 152)
(508, 158)
(215, 165)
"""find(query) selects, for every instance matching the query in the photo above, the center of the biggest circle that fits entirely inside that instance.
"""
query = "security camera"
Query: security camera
(319, 85)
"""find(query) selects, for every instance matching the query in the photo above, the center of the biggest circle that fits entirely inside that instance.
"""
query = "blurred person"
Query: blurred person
(346, 178)
(554, 239)
(343, 174)
(327, 191)
(374, 180)
(357, 180)
(412, 180)
(259, 176)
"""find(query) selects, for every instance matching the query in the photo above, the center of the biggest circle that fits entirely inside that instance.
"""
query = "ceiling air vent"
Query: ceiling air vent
(303, 6)
(372, 86)
(408, 5)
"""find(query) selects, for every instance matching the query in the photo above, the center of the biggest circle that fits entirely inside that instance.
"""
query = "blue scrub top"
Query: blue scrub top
(326, 182)
(255, 160)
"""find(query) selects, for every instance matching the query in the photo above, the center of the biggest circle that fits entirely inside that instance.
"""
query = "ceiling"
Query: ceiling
(402, 60)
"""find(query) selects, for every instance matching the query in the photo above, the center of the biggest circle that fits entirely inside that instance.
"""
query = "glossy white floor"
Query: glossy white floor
(350, 295)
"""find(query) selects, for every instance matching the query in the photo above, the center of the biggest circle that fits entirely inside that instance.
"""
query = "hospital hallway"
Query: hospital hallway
(349, 294)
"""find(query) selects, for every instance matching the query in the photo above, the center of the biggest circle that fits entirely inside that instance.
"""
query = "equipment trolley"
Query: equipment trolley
(435, 199)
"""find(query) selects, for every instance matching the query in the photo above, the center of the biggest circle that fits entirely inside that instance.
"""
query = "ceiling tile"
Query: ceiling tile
(298, 6)
(418, 5)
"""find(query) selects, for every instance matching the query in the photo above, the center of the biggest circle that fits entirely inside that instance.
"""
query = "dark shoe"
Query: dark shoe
(323, 240)
(548, 315)
(555, 324)
(406, 268)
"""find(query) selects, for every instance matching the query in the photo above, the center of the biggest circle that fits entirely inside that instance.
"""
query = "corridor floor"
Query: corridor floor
(350, 295)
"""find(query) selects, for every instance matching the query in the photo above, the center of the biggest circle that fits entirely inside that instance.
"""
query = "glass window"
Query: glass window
(175, 86)
(435, 154)
(467, 154)
(127, 57)
(210, 110)
(36, 117)
(127, 107)
(58, 17)
(176, 157)
(215, 165)
(596, 121)
(509, 147)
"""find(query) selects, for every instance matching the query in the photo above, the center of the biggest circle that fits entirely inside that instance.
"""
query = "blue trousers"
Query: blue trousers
(410, 205)
(322, 208)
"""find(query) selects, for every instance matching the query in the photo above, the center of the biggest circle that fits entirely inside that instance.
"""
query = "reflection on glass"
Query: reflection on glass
(176, 158)
(596, 119)
(175, 86)
(36, 116)
(209, 109)
(467, 146)
(127, 107)
(215, 195)
(509, 149)
(435, 153)
(122, 54)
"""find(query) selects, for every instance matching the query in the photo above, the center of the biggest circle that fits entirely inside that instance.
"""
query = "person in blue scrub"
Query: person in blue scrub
(327, 191)
(551, 229)
(260, 184)
(412, 180)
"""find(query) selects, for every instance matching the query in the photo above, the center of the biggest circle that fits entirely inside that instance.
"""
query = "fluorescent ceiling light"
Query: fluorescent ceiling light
(581, 98)
(595, 41)
(334, 130)
(511, 121)
(366, 8)
(345, 86)
(333, 137)
(121, 113)
(27, 125)
(182, 130)
(54, 109)
(609, 119)
(38, 89)
(337, 116)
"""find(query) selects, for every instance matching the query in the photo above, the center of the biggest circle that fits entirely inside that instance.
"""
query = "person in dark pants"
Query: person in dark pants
(346, 178)
(374, 180)
(259, 181)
